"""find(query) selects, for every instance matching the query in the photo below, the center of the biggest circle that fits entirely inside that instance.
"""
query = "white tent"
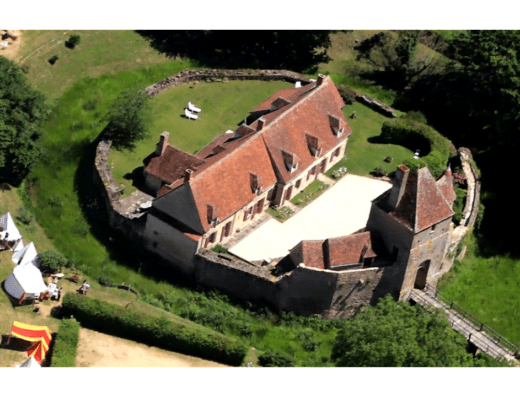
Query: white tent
(29, 363)
(9, 229)
(25, 279)
(27, 254)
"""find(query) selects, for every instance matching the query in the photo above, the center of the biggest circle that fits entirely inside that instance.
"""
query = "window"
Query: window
(227, 229)
(433, 228)
(213, 237)
(270, 194)
(298, 183)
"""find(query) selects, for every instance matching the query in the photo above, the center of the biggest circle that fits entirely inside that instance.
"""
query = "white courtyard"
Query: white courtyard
(341, 210)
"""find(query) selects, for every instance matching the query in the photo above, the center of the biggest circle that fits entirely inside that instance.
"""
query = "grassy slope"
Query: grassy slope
(345, 69)
(223, 105)
(99, 52)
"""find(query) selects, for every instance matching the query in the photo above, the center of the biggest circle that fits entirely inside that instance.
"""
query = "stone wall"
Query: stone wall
(191, 75)
(372, 103)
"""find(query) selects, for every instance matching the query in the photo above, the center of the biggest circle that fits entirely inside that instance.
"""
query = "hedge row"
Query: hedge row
(153, 330)
(66, 344)
(414, 134)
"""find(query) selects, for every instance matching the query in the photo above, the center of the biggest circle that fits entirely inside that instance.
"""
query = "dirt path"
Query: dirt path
(100, 350)
(14, 46)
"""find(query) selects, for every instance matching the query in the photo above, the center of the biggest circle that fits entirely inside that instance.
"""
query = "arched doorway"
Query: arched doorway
(422, 273)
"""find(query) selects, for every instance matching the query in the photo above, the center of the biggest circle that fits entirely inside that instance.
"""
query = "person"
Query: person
(59, 293)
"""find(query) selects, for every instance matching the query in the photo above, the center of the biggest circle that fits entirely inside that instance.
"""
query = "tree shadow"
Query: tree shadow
(250, 49)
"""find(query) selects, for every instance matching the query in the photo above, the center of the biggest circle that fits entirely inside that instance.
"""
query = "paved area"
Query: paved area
(479, 338)
(342, 209)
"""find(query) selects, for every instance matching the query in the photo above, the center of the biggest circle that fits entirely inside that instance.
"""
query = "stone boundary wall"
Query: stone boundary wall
(239, 74)
(374, 104)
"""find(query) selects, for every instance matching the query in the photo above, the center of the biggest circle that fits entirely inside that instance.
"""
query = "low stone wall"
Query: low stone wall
(191, 75)
(385, 110)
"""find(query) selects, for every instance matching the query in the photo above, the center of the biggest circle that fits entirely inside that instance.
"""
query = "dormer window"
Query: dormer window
(314, 145)
(278, 103)
(290, 160)
(255, 184)
(335, 124)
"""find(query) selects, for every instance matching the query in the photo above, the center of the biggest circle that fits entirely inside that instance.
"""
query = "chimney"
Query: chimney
(320, 80)
(261, 123)
(448, 171)
(401, 176)
(163, 142)
(187, 174)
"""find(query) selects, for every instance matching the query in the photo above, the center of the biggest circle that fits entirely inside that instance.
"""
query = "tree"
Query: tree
(276, 359)
(22, 113)
(298, 50)
(128, 118)
(73, 41)
(51, 261)
(396, 334)
(396, 57)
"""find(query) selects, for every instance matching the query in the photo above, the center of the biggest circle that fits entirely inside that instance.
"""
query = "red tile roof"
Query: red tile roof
(312, 253)
(445, 185)
(338, 251)
(171, 165)
(422, 204)
(286, 128)
(350, 249)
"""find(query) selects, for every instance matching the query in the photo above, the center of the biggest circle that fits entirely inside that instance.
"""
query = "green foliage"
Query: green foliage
(128, 118)
(152, 330)
(396, 334)
(73, 41)
(416, 115)
(458, 205)
(347, 93)
(53, 59)
(52, 261)
(90, 104)
(414, 134)
(22, 112)
(25, 216)
(276, 359)
(66, 344)
(106, 281)
(218, 248)
(480, 215)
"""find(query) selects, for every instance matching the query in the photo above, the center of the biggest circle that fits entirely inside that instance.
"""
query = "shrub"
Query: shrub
(153, 330)
(414, 134)
(276, 359)
(66, 344)
(480, 215)
(55, 201)
(218, 248)
(73, 41)
(106, 281)
(416, 116)
(91, 104)
(51, 261)
(347, 93)
(52, 60)
(25, 216)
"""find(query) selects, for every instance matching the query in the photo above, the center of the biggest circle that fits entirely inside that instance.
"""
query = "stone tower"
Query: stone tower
(411, 222)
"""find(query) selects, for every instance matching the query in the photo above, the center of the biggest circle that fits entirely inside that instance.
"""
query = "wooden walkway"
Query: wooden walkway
(461, 324)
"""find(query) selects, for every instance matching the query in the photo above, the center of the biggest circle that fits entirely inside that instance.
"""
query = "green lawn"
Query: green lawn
(364, 153)
(100, 52)
(309, 194)
(487, 287)
(224, 106)
(281, 214)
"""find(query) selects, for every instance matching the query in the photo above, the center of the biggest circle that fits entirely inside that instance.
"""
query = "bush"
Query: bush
(347, 93)
(275, 359)
(152, 330)
(66, 344)
(218, 248)
(414, 134)
(73, 41)
(106, 281)
(25, 216)
(51, 261)
(53, 59)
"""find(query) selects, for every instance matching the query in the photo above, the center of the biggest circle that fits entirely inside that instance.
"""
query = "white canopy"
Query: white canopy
(7, 225)
(25, 279)
(27, 254)
(29, 363)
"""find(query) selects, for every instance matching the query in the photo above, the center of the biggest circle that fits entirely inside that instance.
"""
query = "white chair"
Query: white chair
(190, 115)
(193, 108)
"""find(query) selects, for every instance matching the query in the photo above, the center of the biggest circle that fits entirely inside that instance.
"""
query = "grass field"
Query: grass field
(224, 106)
(99, 53)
